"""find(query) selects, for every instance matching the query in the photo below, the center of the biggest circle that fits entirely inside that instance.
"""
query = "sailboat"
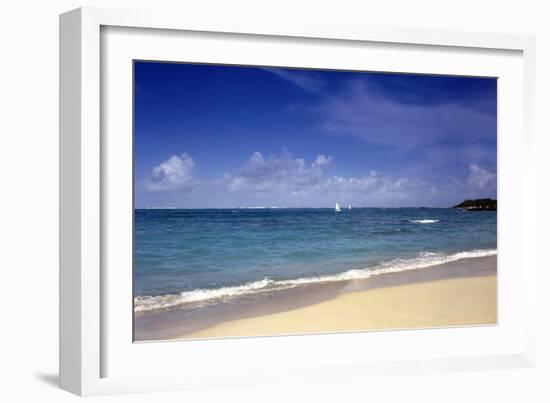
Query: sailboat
(349, 206)
(337, 208)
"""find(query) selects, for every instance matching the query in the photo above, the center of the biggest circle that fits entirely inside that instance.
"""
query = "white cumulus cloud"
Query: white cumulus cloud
(480, 178)
(376, 187)
(176, 173)
(283, 176)
(322, 160)
(277, 173)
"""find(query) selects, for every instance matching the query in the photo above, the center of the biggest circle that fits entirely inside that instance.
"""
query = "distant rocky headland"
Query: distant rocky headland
(478, 205)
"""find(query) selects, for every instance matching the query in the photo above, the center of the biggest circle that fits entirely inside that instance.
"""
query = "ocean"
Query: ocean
(184, 256)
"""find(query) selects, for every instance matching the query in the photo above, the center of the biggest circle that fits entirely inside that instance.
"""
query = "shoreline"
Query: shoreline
(200, 295)
(410, 306)
(366, 303)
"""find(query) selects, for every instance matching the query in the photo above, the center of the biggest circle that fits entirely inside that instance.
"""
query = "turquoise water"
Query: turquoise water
(193, 255)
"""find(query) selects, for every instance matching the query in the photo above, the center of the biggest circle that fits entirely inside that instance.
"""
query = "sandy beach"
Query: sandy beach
(459, 293)
(335, 201)
(452, 302)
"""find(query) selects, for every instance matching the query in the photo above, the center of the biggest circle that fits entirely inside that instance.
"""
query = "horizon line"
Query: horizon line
(282, 208)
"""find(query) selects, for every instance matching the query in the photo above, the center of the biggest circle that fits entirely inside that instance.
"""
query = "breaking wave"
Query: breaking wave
(421, 261)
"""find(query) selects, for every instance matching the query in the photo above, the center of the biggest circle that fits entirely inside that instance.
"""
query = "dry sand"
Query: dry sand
(458, 293)
(448, 302)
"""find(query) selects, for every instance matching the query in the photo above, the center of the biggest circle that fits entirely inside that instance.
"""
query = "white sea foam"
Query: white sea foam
(423, 260)
(146, 303)
(423, 221)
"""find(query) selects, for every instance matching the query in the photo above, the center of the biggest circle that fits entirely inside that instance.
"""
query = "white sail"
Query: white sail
(337, 208)
(349, 206)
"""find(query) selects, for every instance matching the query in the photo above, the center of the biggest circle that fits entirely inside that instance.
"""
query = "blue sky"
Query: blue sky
(229, 136)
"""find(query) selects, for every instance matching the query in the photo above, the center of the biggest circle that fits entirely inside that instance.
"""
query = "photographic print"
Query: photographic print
(283, 201)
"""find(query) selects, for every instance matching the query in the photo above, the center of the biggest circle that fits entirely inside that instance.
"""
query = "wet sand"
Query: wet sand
(463, 292)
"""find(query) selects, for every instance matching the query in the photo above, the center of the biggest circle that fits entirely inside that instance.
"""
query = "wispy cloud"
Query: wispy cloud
(400, 118)
(393, 139)
(361, 111)
(304, 81)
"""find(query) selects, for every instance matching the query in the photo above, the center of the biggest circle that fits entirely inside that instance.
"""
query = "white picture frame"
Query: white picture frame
(87, 309)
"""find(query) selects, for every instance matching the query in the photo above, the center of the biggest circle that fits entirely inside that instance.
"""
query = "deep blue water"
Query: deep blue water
(177, 252)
